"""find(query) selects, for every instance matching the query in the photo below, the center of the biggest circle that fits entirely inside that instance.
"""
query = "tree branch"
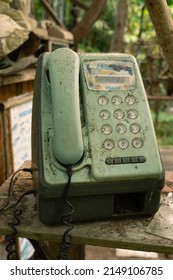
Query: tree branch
(80, 4)
(51, 12)
(163, 24)
(84, 26)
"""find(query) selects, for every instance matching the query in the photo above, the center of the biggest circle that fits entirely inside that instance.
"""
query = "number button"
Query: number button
(132, 114)
(137, 143)
(118, 114)
(130, 99)
(121, 128)
(105, 114)
(116, 100)
(103, 100)
(109, 144)
(106, 129)
(123, 144)
(135, 128)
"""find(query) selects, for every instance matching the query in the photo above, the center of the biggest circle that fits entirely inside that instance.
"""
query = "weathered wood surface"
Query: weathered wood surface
(126, 233)
(20, 77)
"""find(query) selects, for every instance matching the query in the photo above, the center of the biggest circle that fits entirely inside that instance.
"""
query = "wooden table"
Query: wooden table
(126, 233)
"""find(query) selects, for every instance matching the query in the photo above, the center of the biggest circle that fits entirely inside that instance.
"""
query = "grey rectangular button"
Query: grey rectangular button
(142, 159)
(134, 160)
(117, 160)
(126, 160)
(109, 161)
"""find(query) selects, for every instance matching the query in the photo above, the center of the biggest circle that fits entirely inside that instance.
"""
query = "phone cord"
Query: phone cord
(66, 219)
(11, 249)
(11, 237)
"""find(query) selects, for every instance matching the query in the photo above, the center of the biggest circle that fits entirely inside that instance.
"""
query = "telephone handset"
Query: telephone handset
(64, 82)
(91, 112)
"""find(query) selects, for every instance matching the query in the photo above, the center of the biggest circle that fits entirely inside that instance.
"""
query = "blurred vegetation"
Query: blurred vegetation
(106, 21)
(163, 125)
(139, 23)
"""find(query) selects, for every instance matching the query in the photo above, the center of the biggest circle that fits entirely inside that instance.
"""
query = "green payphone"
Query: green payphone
(93, 139)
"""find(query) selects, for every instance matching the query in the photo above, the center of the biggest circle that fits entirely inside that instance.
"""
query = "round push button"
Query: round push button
(123, 143)
(105, 114)
(103, 100)
(109, 144)
(137, 143)
(132, 114)
(121, 128)
(106, 129)
(130, 99)
(116, 100)
(135, 128)
(118, 114)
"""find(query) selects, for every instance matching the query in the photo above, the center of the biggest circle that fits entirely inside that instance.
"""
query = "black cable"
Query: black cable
(11, 186)
(11, 237)
(9, 190)
(66, 220)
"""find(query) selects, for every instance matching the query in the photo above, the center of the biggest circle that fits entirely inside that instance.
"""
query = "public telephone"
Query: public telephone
(90, 113)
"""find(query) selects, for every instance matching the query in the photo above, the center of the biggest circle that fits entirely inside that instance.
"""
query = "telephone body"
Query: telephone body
(90, 111)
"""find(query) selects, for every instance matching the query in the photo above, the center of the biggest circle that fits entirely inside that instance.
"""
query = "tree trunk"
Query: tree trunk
(163, 24)
(91, 15)
(117, 44)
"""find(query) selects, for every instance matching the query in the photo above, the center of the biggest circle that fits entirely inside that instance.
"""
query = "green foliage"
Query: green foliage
(37, 10)
(163, 125)
(170, 2)
(140, 25)
(99, 39)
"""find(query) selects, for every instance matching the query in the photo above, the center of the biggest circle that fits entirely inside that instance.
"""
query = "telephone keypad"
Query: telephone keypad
(105, 114)
(116, 100)
(103, 100)
(132, 114)
(121, 128)
(123, 143)
(106, 129)
(135, 128)
(109, 144)
(130, 100)
(120, 114)
(137, 143)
